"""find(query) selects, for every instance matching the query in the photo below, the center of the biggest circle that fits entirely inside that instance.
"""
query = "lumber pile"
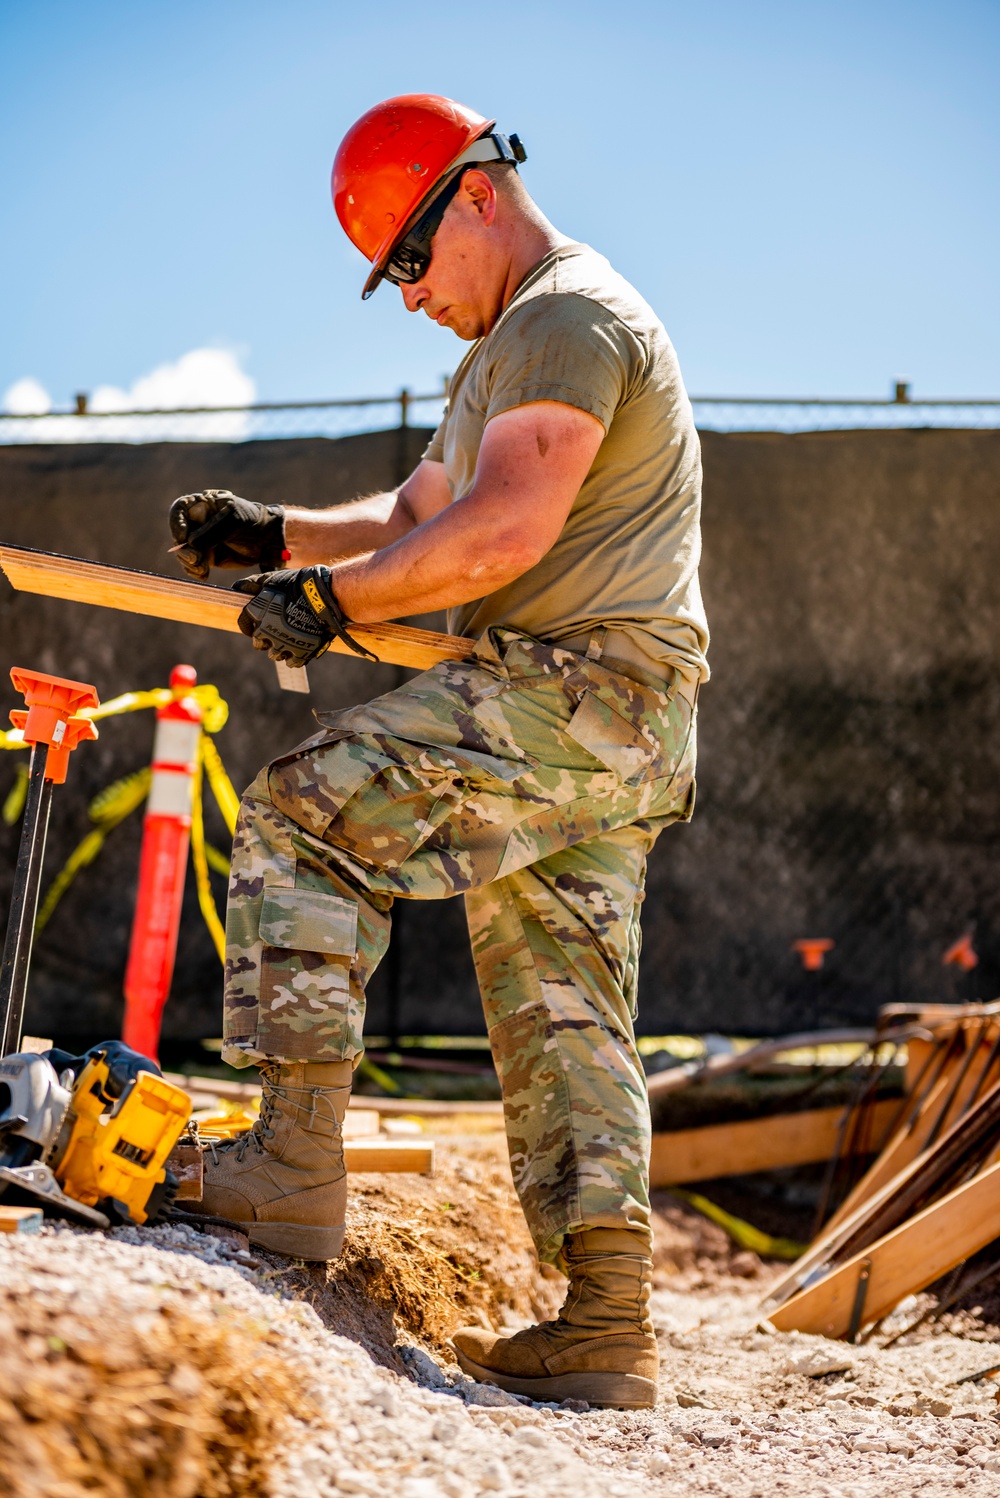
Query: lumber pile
(930, 1201)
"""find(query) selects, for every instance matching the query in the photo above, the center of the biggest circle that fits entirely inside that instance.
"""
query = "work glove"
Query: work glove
(294, 615)
(217, 529)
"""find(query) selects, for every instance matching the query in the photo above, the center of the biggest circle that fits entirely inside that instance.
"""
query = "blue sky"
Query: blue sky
(807, 193)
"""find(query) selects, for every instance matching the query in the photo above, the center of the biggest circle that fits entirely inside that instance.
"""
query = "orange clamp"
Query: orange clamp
(53, 703)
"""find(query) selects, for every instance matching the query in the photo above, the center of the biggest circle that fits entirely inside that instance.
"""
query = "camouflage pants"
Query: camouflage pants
(533, 781)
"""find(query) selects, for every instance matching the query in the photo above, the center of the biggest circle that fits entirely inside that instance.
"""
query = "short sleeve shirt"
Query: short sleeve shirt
(627, 557)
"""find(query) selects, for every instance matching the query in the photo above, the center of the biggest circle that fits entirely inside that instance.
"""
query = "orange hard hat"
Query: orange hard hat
(393, 159)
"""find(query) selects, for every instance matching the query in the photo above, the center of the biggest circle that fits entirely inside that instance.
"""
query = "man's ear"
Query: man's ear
(479, 190)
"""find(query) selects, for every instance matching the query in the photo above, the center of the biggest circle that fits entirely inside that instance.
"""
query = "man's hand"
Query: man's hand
(294, 614)
(217, 529)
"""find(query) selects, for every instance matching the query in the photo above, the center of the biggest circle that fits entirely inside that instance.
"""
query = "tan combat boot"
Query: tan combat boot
(600, 1348)
(284, 1181)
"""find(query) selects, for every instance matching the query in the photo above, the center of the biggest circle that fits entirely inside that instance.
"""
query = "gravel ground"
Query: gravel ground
(743, 1412)
(181, 1365)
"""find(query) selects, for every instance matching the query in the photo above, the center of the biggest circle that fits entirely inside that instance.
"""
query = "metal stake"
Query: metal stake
(24, 902)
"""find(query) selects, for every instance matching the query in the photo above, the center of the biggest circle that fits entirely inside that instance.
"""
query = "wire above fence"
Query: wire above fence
(341, 418)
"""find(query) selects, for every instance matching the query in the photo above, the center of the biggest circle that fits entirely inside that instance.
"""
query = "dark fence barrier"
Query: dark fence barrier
(848, 786)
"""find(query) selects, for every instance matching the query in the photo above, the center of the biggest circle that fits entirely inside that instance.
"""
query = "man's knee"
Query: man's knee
(312, 786)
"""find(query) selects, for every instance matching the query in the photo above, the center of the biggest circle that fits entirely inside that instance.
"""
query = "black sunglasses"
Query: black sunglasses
(411, 257)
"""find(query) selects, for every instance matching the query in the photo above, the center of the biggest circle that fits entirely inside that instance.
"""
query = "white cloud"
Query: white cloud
(202, 377)
(27, 397)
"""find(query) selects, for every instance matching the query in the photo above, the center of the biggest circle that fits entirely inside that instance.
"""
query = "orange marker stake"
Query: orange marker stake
(53, 730)
(812, 950)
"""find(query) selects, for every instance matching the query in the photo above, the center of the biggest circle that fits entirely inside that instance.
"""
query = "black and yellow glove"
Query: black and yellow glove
(215, 528)
(294, 615)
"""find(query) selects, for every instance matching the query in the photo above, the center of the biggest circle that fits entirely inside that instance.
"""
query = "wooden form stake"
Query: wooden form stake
(903, 1263)
(79, 581)
(890, 1238)
(911, 1138)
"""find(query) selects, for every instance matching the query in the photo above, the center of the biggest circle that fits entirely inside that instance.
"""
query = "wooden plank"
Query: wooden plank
(902, 1155)
(187, 1164)
(755, 1144)
(903, 1263)
(20, 1219)
(825, 1247)
(710, 1069)
(79, 581)
(413, 1155)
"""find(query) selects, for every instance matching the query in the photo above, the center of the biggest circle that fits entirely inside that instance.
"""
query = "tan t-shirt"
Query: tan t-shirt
(627, 558)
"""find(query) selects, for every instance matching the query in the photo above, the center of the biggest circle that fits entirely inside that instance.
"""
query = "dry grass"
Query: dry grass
(165, 1409)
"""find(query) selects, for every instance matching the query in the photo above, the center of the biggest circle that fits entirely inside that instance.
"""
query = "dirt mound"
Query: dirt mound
(428, 1255)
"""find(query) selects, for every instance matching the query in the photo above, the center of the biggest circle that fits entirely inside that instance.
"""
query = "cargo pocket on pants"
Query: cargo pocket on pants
(603, 732)
(537, 1118)
(307, 1009)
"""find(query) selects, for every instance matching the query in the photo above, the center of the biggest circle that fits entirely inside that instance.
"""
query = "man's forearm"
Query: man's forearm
(323, 536)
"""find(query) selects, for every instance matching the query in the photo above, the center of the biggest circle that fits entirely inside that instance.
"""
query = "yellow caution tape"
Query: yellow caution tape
(222, 786)
(378, 1076)
(121, 796)
(107, 809)
(217, 862)
(198, 857)
(17, 795)
(215, 709)
(113, 805)
(117, 801)
(742, 1233)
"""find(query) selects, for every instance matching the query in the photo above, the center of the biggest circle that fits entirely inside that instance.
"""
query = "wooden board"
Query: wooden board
(20, 1219)
(413, 1155)
(832, 1242)
(79, 581)
(755, 1144)
(903, 1263)
(824, 1248)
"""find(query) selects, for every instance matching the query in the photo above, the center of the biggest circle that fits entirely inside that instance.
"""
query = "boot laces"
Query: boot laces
(316, 1098)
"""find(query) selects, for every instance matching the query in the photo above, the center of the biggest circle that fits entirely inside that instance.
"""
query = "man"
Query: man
(555, 514)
